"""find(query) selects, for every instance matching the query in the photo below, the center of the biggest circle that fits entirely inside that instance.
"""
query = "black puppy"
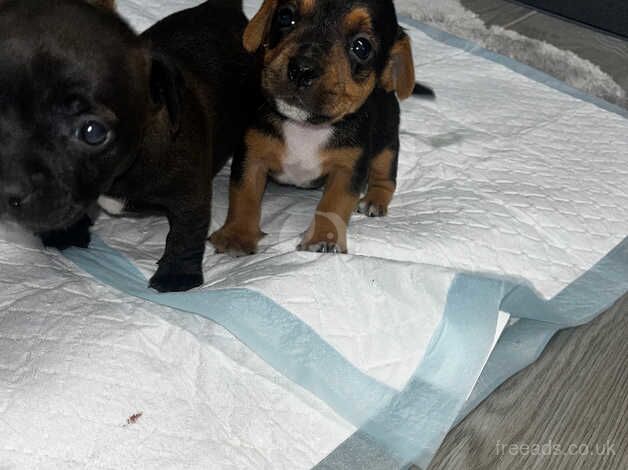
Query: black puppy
(332, 73)
(91, 111)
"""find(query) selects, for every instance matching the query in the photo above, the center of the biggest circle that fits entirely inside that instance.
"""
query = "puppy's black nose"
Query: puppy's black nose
(302, 71)
(15, 202)
(14, 196)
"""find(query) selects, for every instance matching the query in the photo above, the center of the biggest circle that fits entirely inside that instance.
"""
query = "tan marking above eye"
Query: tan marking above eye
(358, 20)
(307, 7)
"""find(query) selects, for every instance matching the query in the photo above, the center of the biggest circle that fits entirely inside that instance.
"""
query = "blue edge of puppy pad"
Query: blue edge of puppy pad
(399, 429)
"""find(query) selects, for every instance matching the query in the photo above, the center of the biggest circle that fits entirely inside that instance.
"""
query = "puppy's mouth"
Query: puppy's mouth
(294, 110)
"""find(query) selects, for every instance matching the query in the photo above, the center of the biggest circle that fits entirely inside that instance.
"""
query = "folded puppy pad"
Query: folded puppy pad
(509, 223)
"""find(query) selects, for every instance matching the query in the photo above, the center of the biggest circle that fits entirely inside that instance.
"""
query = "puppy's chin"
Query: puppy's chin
(298, 114)
(291, 112)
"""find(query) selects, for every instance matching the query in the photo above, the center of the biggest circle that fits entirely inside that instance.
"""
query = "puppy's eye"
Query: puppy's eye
(93, 133)
(361, 48)
(286, 17)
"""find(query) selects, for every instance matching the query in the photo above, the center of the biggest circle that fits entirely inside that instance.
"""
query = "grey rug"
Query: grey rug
(451, 16)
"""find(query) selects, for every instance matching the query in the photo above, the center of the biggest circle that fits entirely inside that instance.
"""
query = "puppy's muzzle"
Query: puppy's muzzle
(15, 196)
(19, 194)
(305, 68)
(303, 72)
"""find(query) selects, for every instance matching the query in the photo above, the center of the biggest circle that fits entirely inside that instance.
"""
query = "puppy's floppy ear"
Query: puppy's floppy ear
(106, 4)
(259, 27)
(399, 72)
(166, 87)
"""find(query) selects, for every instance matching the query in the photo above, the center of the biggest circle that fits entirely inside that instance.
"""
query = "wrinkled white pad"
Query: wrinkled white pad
(500, 175)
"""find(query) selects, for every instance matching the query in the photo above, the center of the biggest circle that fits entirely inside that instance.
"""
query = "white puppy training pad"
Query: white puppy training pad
(511, 201)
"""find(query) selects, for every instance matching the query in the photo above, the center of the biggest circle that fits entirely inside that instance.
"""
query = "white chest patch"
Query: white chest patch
(111, 206)
(301, 164)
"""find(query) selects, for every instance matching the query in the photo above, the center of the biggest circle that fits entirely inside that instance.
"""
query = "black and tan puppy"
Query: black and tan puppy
(90, 111)
(332, 72)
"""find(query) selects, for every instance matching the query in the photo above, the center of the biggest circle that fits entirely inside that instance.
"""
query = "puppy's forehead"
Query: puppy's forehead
(66, 22)
(88, 53)
(53, 72)
(46, 68)
(373, 16)
(328, 11)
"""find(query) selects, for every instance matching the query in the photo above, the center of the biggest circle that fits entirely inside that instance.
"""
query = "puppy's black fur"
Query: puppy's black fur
(333, 71)
(88, 108)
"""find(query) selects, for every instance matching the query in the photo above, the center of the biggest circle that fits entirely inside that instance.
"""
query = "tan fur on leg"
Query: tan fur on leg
(328, 231)
(241, 232)
(381, 186)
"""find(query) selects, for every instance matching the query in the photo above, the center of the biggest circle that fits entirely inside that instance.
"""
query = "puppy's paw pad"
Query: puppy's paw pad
(173, 282)
(372, 208)
(234, 244)
(321, 247)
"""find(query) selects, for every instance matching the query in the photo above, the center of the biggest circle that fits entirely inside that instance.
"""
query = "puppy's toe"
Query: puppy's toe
(372, 208)
(321, 247)
(233, 243)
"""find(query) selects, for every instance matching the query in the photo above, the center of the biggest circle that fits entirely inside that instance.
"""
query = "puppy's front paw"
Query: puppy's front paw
(170, 277)
(77, 235)
(321, 247)
(234, 242)
(372, 207)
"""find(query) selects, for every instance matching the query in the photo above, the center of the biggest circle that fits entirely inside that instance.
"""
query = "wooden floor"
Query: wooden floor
(574, 397)
(573, 402)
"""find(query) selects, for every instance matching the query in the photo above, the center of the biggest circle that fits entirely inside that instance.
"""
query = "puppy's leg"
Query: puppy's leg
(181, 267)
(328, 231)
(241, 232)
(382, 183)
(76, 235)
